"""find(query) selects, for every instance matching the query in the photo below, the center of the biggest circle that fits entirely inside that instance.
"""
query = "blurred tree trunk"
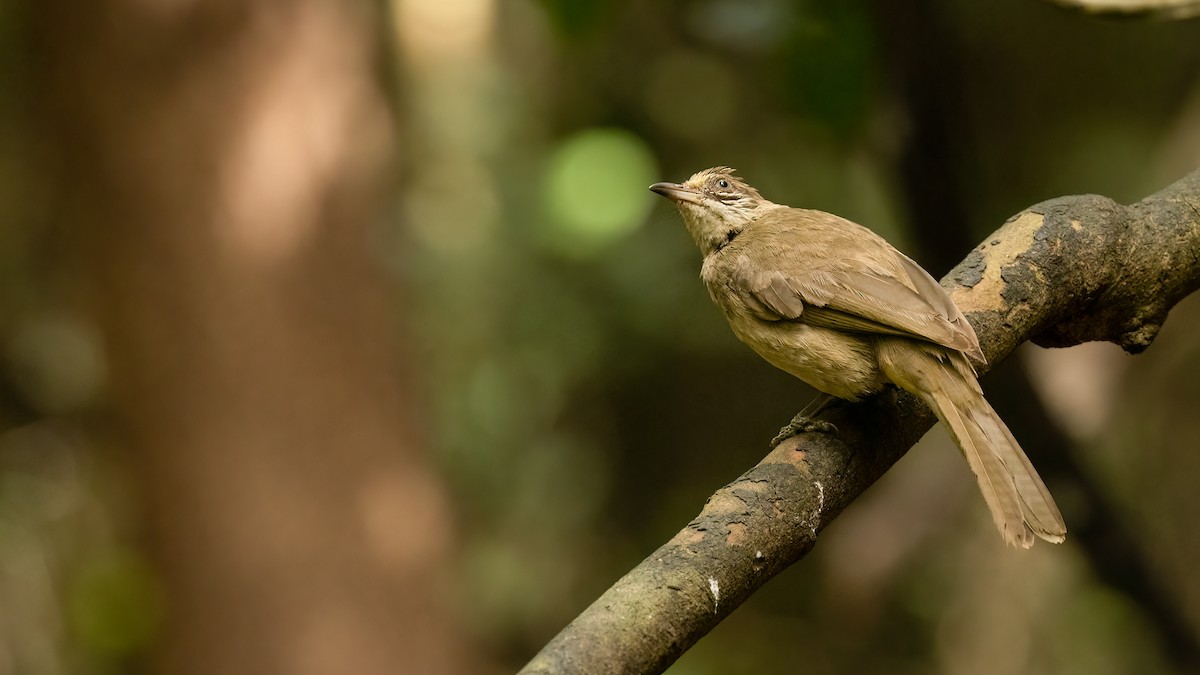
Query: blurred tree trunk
(221, 160)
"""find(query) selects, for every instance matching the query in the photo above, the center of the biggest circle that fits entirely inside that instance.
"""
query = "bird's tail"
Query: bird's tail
(1021, 506)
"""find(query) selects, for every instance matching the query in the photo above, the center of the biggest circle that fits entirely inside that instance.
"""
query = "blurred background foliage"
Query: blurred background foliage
(575, 379)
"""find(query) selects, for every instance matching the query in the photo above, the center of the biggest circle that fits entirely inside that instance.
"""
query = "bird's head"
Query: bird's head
(716, 205)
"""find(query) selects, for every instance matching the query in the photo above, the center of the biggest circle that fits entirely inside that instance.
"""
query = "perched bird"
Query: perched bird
(835, 305)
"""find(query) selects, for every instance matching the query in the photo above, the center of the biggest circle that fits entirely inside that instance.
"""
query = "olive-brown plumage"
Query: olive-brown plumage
(834, 304)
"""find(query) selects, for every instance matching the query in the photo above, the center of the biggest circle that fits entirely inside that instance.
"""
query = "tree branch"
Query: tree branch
(1172, 10)
(1065, 271)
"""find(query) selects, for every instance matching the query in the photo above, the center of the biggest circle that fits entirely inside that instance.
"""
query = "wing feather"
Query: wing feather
(881, 291)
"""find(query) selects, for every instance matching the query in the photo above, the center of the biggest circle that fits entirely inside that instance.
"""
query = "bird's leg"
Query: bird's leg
(803, 421)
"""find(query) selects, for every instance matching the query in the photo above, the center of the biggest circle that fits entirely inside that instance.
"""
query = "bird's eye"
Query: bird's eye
(723, 183)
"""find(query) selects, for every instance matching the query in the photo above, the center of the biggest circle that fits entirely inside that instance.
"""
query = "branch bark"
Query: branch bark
(1062, 272)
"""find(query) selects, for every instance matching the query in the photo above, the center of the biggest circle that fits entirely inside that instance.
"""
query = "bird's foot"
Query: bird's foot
(802, 424)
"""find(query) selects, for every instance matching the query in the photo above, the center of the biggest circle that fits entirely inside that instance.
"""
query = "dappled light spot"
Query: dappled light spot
(749, 25)
(595, 190)
(453, 206)
(405, 519)
(333, 638)
(114, 605)
(292, 142)
(443, 28)
(56, 361)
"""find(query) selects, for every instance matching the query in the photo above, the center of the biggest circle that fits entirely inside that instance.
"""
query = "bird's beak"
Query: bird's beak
(677, 192)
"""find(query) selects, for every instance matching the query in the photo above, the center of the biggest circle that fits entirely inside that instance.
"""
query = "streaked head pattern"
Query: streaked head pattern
(715, 204)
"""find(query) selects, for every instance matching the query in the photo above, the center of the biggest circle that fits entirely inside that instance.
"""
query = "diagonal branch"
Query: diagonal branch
(1065, 271)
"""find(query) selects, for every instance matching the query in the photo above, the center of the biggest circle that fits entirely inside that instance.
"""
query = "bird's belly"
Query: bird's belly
(837, 363)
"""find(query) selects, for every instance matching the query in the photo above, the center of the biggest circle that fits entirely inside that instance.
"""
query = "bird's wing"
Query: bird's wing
(948, 314)
(769, 294)
(856, 295)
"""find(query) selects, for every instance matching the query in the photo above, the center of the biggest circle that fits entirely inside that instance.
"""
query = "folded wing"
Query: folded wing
(887, 294)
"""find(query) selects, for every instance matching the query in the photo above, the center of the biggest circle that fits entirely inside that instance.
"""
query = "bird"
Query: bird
(835, 305)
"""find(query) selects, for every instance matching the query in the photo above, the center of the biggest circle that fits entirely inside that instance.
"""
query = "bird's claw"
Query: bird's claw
(801, 424)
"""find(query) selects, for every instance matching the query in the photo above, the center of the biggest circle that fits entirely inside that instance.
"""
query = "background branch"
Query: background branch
(1062, 272)
(1157, 9)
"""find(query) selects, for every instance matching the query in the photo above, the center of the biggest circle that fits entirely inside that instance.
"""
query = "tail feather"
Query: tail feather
(1021, 506)
(998, 488)
(1039, 509)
